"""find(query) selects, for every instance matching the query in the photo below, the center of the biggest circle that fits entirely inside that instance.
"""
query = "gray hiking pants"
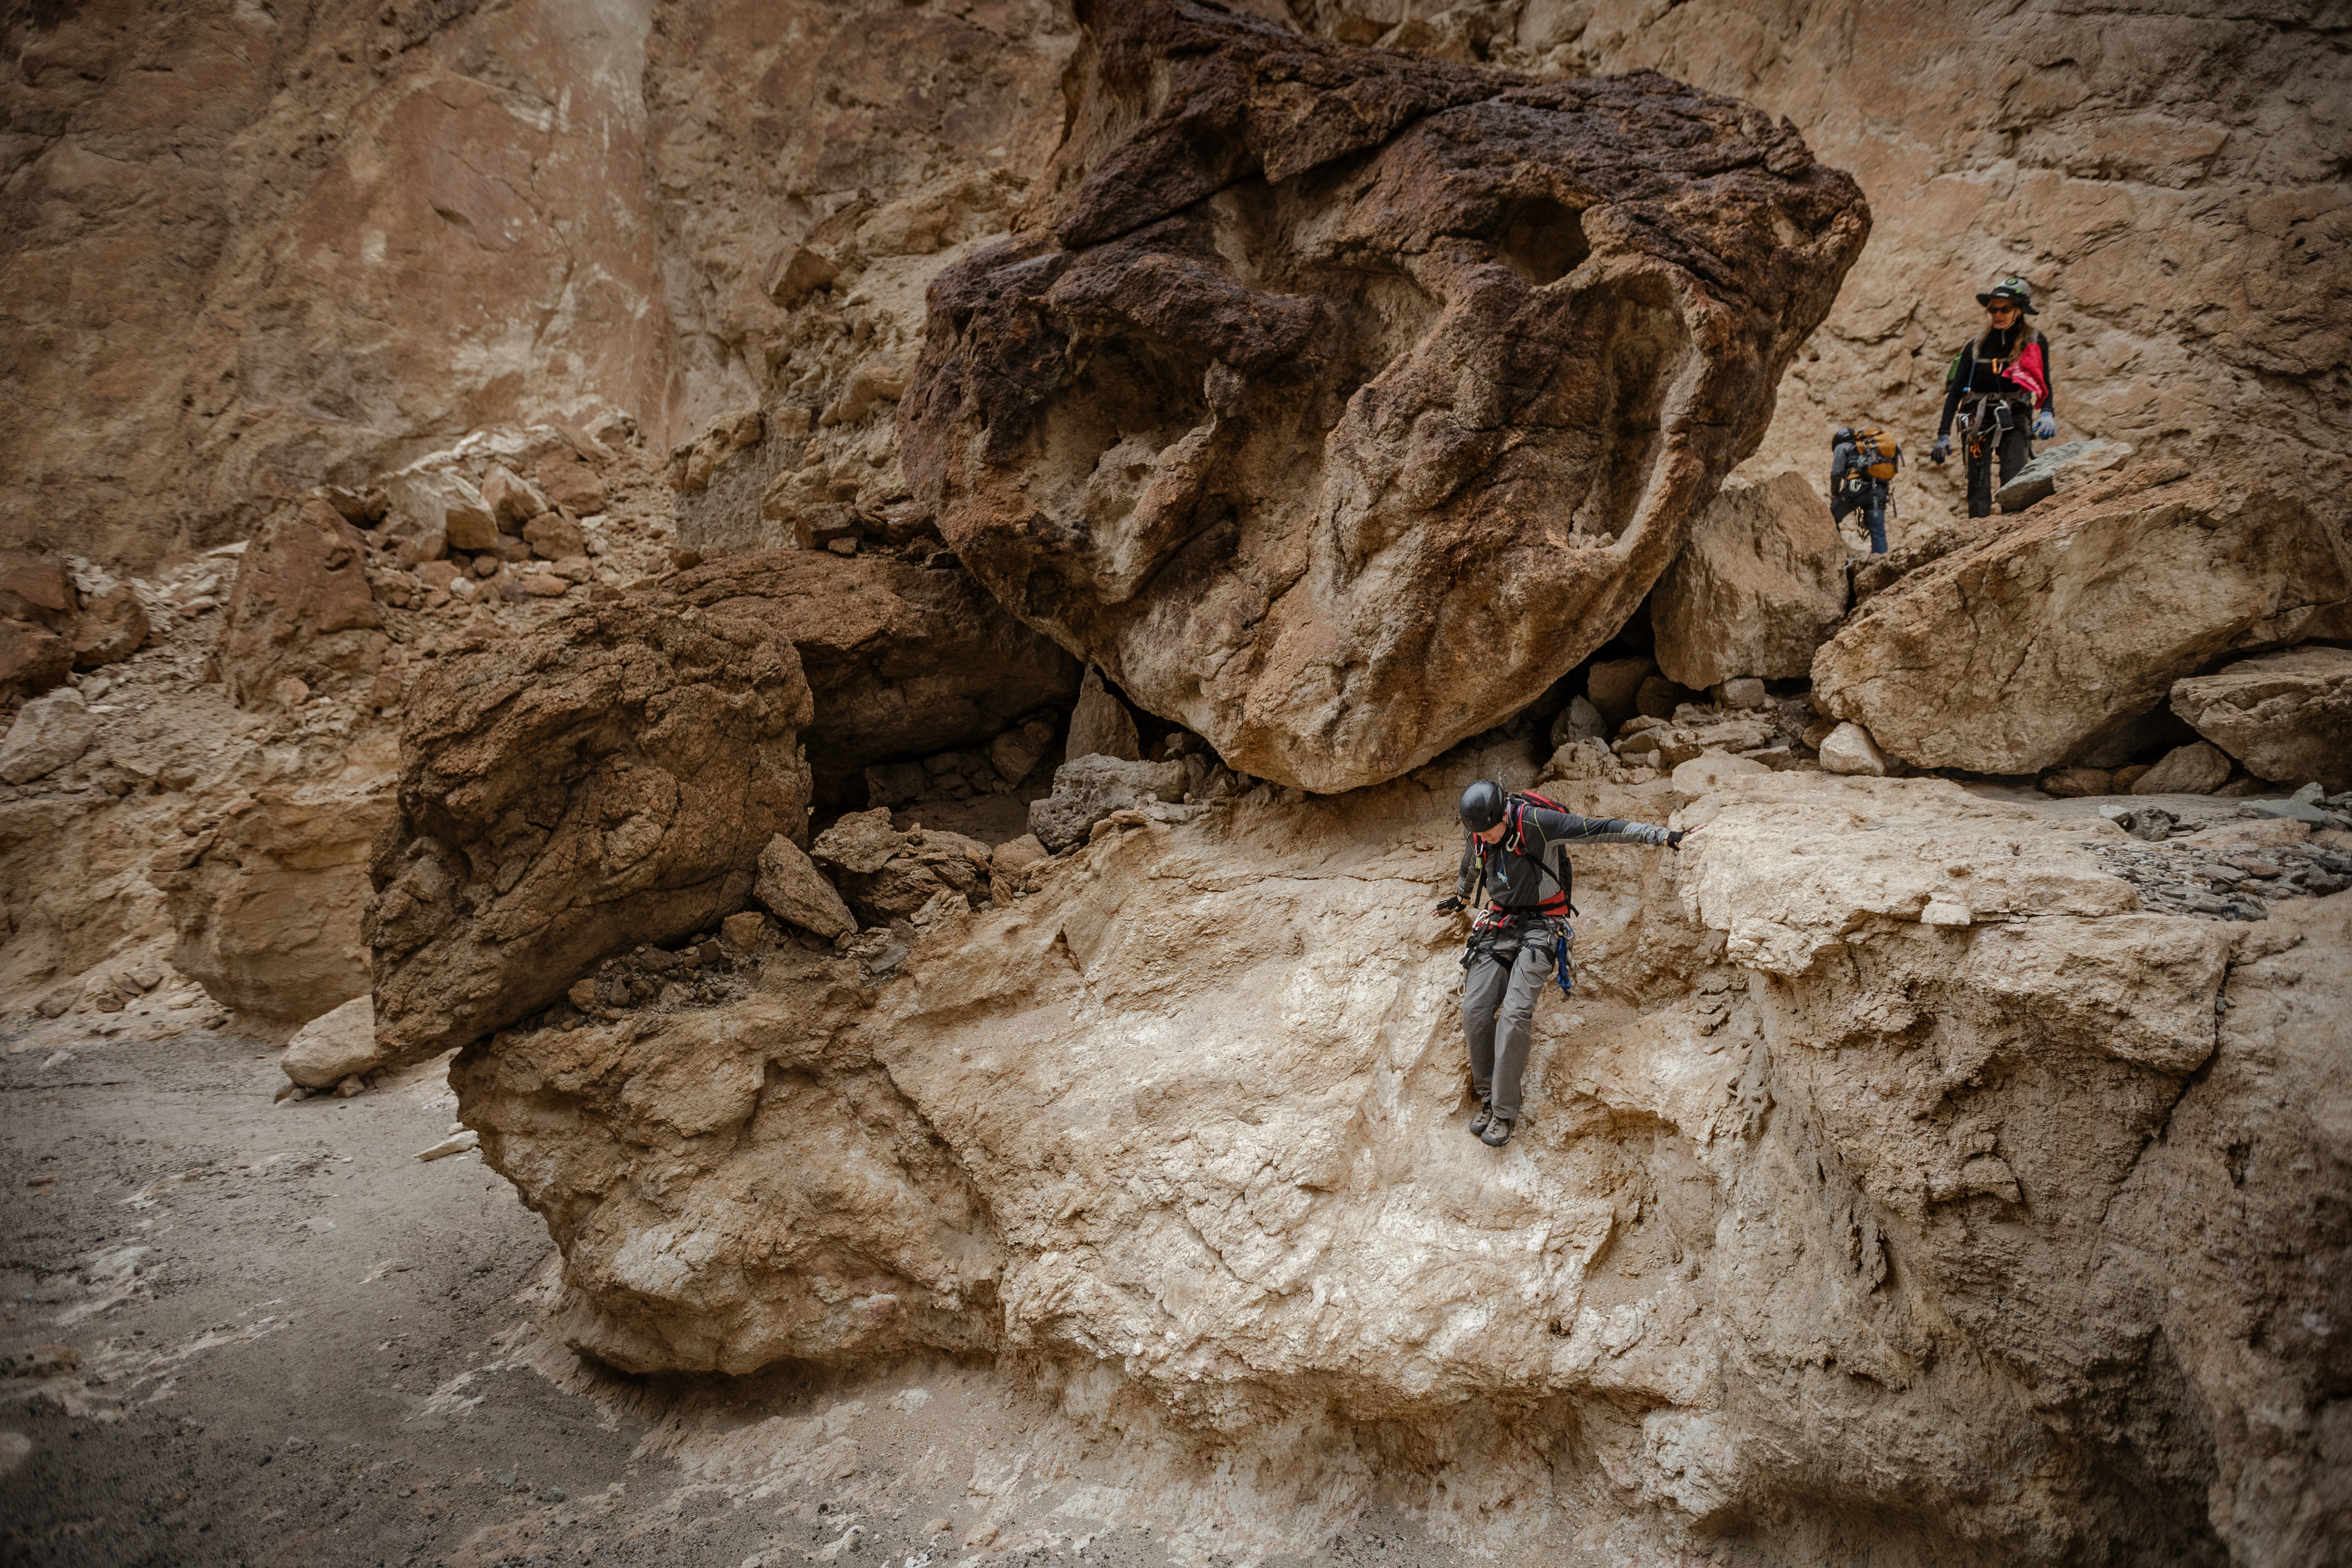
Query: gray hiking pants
(1498, 1010)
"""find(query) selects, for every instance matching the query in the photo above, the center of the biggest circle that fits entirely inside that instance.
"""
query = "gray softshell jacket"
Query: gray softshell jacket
(1522, 875)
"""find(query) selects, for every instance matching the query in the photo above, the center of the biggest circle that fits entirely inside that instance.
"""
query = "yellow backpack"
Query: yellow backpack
(1878, 453)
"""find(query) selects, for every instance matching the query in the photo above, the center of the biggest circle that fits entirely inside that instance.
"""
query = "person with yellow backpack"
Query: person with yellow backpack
(1993, 387)
(1862, 463)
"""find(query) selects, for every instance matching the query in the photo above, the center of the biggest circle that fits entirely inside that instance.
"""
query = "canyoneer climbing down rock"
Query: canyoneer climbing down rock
(1861, 464)
(1994, 386)
(1516, 847)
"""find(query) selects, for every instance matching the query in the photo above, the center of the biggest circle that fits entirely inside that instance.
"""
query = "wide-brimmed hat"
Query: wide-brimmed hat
(2016, 289)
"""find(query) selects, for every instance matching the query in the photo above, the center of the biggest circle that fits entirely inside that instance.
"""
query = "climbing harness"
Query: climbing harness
(1497, 929)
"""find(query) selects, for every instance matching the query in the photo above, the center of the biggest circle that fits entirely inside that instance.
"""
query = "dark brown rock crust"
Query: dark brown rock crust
(608, 781)
(1337, 402)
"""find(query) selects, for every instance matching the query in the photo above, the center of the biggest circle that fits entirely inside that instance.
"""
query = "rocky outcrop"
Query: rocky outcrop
(1855, 1127)
(301, 610)
(51, 623)
(267, 906)
(1336, 403)
(903, 658)
(1759, 586)
(2026, 649)
(608, 781)
(2286, 716)
(45, 734)
(1088, 789)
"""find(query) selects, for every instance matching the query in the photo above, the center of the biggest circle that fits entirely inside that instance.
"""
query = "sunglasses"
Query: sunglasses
(2000, 308)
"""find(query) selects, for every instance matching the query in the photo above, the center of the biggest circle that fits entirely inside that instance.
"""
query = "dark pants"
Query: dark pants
(1498, 1010)
(1870, 499)
(2015, 450)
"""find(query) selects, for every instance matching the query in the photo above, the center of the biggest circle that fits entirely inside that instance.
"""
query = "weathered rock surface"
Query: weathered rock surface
(902, 660)
(1088, 789)
(890, 875)
(608, 781)
(1807, 1167)
(1100, 725)
(301, 607)
(1758, 588)
(48, 734)
(1337, 403)
(333, 1047)
(1849, 749)
(2287, 716)
(2068, 463)
(2194, 769)
(794, 891)
(2009, 656)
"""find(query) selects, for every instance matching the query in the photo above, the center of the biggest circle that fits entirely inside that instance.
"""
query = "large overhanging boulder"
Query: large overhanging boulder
(607, 781)
(2029, 648)
(1335, 402)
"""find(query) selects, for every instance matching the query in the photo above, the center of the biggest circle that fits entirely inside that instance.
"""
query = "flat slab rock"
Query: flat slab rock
(1337, 402)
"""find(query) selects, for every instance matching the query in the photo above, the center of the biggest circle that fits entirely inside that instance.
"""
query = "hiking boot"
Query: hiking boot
(1497, 1132)
(1478, 1122)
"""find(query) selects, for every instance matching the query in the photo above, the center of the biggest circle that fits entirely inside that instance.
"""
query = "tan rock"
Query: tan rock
(554, 537)
(1849, 749)
(1023, 1188)
(746, 930)
(301, 607)
(1017, 854)
(2286, 716)
(2074, 783)
(1089, 789)
(267, 910)
(796, 892)
(605, 780)
(48, 734)
(858, 841)
(2007, 656)
(333, 1047)
(2197, 769)
(566, 480)
(1614, 687)
(1448, 538)
(513, 500)
(1100, 725)
(1016, 753)
(436, 500)
(112, 626)
(1759, 585)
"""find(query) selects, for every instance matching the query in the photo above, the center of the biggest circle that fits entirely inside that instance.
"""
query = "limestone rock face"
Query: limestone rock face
(1810, 1160)
(2287, 716)
(1338, 403)
(301, 607)
(1759, 587)
(606, 781)
(902, 660)
(2197, 768)
(2010, 655)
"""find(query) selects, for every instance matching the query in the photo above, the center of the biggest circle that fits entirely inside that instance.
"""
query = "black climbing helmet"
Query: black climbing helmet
(2012, 289)
(1482, 805)
(1842, 434)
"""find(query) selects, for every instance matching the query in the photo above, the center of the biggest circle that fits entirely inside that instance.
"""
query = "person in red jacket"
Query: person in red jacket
(1997, 388)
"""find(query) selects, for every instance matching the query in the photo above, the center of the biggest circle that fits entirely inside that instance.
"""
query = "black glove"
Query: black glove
(1941, 451)
(1449, 907)
(1674, 839)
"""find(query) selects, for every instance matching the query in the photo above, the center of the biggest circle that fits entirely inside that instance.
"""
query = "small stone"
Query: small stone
(1745, 691)
(1848, 748)
(455, 1143)
(545, 586)
(584, 994)
(2198, 768)
(980, 1535)
(842, 546)
(747, 930)
(553, 1494)
(2074, 784)
(1946, 912)
(1100, 724)
(49, 733)
(352, 1087)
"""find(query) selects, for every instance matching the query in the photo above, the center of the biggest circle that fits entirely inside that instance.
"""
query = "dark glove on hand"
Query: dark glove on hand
(1674, 839)
(1941, 451)
(1449, 907)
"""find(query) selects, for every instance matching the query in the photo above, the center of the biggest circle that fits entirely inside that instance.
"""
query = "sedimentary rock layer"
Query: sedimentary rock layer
(1337, 403)
(1833, 1183)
